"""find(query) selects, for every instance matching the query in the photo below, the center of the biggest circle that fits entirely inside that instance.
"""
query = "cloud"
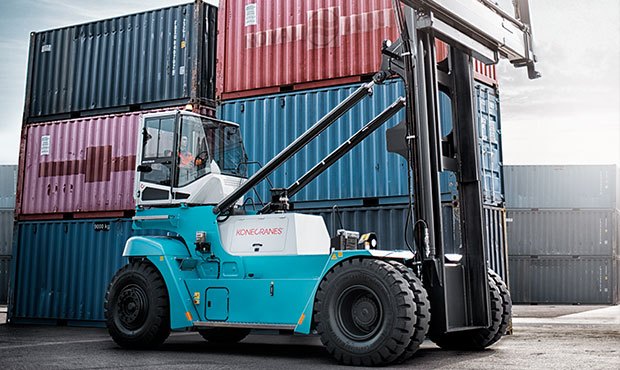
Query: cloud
(560, 141)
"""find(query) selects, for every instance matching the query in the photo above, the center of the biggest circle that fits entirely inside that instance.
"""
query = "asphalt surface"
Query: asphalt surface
(545, 337)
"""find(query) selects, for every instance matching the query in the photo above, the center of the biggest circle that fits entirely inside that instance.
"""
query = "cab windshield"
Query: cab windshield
(205, 143)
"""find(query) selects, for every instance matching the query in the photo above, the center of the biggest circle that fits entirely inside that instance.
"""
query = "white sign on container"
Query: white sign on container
(45, 144)
(250, 15)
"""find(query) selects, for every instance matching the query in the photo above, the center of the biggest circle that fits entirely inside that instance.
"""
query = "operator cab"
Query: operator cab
(187, 158)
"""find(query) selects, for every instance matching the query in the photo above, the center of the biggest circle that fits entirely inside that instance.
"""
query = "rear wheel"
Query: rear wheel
(224, 335)
(478, 339)
(506, 306)
(422, 313)
(365, 312)
(136, 307)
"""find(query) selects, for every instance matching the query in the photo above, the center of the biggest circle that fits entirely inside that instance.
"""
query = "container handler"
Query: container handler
(224, 271)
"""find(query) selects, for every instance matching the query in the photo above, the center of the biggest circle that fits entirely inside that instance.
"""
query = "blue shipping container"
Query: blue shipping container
(488, 116)
(63, 268)
(390, 222)
(269, 123)
(158, 58)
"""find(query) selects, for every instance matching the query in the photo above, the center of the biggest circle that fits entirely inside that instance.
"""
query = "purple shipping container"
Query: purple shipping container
(82, 166)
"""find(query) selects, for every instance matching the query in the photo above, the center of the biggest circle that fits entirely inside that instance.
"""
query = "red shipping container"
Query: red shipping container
(81, 168)
(82, 165)
(269, 46)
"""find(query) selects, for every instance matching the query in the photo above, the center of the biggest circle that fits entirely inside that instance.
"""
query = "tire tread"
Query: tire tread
(422, 313)
(478, 339)
(159, 329)
(403, 327)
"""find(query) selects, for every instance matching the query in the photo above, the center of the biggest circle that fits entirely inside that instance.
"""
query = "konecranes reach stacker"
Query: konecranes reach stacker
(224, 271)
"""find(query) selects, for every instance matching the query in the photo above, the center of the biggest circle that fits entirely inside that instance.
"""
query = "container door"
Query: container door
(217, 304)
(489, 141)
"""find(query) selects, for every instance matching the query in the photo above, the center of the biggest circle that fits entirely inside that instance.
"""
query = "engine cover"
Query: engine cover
(282, 234)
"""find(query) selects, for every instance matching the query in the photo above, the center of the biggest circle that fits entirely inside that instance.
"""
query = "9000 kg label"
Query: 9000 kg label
(102, 226)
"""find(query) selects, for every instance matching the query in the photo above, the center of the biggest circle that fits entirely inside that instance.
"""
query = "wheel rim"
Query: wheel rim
(359, 313)
(132, 307)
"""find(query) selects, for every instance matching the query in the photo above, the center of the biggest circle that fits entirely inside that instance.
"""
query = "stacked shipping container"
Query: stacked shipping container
(285, 62)
(88, 86)
(384, 174)
(8, 179)
(282, 65)
(63, 268)
(266, 47)
(158, 58)
(563, 234)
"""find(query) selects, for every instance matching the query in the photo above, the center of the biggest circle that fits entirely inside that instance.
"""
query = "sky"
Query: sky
(570, 116)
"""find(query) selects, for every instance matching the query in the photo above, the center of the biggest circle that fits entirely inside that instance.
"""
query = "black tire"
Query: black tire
(478, 339)
(506, 306)
(422, 311)
(364, 312)
(136, 307)
(224, 335)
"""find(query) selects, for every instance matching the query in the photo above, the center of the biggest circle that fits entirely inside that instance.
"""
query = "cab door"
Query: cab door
(156, 159)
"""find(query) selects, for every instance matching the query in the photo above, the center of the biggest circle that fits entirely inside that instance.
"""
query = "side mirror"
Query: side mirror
(145, 168)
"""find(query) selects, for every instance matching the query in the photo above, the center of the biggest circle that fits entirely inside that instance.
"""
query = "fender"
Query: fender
(144, 246)
(164, 253)
(304, 325)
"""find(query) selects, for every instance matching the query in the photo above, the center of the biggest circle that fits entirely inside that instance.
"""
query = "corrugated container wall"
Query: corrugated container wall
(495, 229)
(5, 273)
(141, 61)
(497, 241)
(269, 123)
(583, 280)
(490, 142)
(562, 187)
(563, 232)
(8, 179)
(84, 166)
(6, 232)
(389, 224)
(63, 267)
(268, 46)
(81, 165)
(487, 110)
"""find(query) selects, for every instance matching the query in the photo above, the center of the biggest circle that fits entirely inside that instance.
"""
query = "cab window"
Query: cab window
(158, 149)
(193, 158)
(226, 148)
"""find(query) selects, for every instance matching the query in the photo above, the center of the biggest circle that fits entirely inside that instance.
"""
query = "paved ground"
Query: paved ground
(545, 337)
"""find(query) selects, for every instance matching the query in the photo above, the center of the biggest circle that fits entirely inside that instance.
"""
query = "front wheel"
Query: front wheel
(136, 307)
(479, 339)
(365, 312)
(422, 312)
